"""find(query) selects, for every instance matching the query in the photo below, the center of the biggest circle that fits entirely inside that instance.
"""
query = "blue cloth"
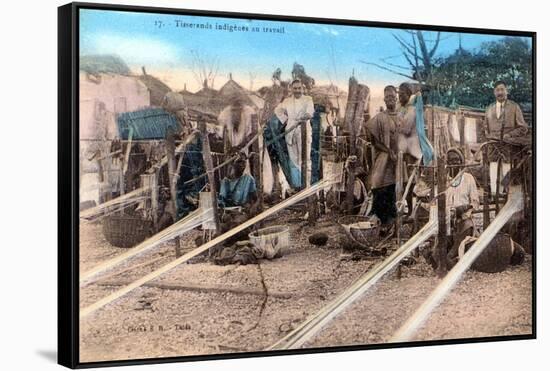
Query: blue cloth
(278, 152)
(316, 144)
(237, 192)
(191, 167)
(425, 146)
(149, 123)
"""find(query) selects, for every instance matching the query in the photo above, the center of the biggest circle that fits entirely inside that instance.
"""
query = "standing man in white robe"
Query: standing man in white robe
(237, 120)
(292, 110)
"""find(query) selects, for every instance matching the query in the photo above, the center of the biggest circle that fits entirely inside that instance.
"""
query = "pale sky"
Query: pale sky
(330, 53)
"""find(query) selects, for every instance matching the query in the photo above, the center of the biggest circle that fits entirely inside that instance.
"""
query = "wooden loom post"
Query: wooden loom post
(399, 195)
(171, 157)
(209, 165)
(461, 124)
(124, 164)
(257, 165)
(486, 187)
(150, 181)
(441, 250)
(497, 191)
(353, 119)
(322, 206)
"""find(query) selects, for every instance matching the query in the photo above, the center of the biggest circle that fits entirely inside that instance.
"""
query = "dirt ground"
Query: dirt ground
(202, 308)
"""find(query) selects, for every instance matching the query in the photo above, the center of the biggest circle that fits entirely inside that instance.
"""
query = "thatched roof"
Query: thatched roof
(212, 102)
(329, 96)
(231, 90)
(157, 88)
(103, 63)
(207, 92)
(231, 87)
(204, 101)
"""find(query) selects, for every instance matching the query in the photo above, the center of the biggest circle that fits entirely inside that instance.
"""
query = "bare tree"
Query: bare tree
(204, 68)
(418, 51)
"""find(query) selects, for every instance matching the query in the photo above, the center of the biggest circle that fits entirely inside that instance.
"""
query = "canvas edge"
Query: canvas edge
(68, 51)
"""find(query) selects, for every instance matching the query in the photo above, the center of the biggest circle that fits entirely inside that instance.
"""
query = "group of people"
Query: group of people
(290, 113)
(397, 128)
(394, 130)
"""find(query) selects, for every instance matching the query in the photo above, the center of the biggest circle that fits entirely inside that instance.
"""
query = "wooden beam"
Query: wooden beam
(151, 181)
(257, 169)
(352, 162)
(209, 166)
(172, 176)
(441, 249)
(353, 119)
(499, 175)
(199, 288)
(399, 195)
(128, 150)
(486, 186)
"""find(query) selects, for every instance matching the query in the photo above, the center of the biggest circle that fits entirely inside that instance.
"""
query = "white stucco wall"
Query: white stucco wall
(101, 99)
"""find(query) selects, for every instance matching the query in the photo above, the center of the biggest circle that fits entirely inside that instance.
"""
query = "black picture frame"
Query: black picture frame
(68, 197)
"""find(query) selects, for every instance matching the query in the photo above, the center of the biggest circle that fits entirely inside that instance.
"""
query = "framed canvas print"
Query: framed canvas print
(236, 185)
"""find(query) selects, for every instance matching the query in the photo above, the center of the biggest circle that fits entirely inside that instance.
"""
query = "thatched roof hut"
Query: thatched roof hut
(103, 63)
(330, 96)
(206, 103)
(211, 102)
(231, 90)
(157, 88)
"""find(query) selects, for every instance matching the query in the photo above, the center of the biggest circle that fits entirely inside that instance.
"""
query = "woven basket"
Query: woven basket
(359, 230)
(126, 231)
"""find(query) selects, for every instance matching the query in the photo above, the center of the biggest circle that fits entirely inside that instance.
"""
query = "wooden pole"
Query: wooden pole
(497, 192)
(399, 195)
(171, 156)
(149, 181)
(322, 192)
(486, 187)
(353, 119)
(441, 251)
(209, 165)
(461, 124)
(257, 172)
(352, 162)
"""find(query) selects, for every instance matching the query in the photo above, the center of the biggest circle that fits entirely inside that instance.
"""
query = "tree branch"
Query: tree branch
(404, 44)
(385, 60)
(432, 52)
(387, 69)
